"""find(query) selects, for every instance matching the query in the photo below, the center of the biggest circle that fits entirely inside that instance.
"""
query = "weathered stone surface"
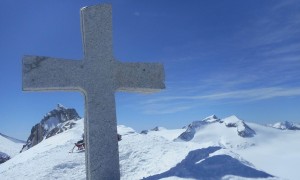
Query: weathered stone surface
(98, 76)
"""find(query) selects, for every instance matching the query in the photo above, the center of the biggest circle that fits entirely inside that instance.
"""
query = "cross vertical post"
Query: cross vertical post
(98, 76)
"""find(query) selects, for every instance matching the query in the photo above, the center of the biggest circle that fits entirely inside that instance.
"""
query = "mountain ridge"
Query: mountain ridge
(215, 151)
(12, 138)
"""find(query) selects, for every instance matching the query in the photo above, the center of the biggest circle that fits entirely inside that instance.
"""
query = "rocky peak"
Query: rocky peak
(212, 118)
(54, 122)
(195, 125)
(60, 106)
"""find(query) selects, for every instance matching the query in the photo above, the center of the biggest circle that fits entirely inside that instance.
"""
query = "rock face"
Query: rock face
(3, 157)
(286, 125)
(194, 126)
(54, 122)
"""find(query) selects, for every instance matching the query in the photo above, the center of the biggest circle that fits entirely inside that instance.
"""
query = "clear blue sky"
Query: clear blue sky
(220, 57)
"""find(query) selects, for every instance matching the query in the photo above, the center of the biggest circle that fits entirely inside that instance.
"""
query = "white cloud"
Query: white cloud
(244, 95)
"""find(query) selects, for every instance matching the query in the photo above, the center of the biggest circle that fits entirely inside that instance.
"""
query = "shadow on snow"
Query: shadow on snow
(199, 165)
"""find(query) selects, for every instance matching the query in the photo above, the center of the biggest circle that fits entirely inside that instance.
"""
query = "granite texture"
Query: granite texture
(98, 76)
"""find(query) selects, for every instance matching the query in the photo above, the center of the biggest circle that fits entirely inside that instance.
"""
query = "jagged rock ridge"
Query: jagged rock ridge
(54, 122)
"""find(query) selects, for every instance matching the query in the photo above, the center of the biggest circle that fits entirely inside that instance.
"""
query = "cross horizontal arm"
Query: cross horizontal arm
(140, 77)
(45, 74)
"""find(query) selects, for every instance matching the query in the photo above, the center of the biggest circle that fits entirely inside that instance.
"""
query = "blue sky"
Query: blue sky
(220, 57)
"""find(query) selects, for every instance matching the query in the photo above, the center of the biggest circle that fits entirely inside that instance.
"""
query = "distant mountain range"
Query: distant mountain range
(212, 148)
(286, 125)
(241, 127)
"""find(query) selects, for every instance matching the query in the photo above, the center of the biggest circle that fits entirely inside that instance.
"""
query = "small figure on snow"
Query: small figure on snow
(80, 144)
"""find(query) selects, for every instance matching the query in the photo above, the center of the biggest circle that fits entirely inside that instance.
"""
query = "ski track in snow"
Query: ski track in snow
(154, 154)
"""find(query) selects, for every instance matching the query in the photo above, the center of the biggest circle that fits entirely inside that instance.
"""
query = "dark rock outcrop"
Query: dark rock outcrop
(4, 157)
(54, 122)
(157, 128)
(144, 132)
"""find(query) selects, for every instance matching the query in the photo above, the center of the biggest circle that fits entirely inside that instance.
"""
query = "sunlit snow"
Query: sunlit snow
(215, 151)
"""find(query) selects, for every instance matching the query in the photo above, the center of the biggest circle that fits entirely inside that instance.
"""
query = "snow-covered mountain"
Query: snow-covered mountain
(9, 147)
(285, 125)
(195, 126)
(242, 129)
(54, 122)
(214, 152)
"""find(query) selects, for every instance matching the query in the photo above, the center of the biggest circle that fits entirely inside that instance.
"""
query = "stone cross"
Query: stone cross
(97, 76)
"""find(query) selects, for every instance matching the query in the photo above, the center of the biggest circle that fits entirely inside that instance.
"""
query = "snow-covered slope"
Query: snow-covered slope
(270, 149)
(155, 156)
(10, 146)
(215, 152)
(275, 151)
(49, 159)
